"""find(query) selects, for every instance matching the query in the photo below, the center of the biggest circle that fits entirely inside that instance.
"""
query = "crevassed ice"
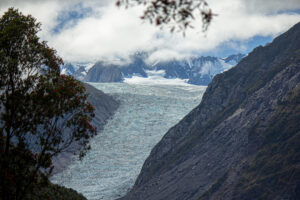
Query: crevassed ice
(146, 113)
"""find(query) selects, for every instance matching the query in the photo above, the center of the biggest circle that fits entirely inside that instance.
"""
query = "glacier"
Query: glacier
(118, 152)
(155, 77)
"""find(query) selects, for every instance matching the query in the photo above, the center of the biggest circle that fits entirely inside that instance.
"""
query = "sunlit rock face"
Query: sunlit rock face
(145, 114)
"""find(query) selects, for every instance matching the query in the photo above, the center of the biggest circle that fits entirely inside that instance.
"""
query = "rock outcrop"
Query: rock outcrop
(242, 141)
(101, 72)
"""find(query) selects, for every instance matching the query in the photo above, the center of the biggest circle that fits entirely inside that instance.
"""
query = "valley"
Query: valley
(145, 114)
(149, 100)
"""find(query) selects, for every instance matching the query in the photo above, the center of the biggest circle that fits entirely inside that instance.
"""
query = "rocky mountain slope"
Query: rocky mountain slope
(243, 140)
(105, 106)
(104, 73)
(196, 70)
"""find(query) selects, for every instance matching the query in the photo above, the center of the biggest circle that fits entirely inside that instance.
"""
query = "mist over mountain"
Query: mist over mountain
(195, 70)
(78, 70)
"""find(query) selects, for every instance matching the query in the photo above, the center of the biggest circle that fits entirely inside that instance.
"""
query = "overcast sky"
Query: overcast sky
(92, 30)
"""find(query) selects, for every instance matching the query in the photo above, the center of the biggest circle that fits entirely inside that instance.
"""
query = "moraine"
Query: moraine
(118, 152)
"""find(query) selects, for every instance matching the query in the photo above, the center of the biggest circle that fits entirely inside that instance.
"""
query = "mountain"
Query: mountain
(104, 73)
(242, 141)
(105, 106)
(197, 70)
(77, 70)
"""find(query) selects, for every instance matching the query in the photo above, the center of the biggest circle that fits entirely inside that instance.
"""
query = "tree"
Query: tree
(176, 14)
(42, 113)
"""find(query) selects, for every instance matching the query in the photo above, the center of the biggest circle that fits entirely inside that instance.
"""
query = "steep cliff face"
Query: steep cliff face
(242, 141)
(101, 72)
(105, 106)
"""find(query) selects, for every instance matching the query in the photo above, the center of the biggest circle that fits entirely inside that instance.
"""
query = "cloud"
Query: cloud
(108, 33)
(271, 6)
(89, 30)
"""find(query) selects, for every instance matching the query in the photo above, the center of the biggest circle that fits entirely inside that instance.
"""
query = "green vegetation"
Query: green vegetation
(275, 169)
(176, 15)
(42, 112)
(214, 187)
(55, 192)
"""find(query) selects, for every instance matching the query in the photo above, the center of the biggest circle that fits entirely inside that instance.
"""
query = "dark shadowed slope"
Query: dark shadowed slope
(105, 106)
(242, 141)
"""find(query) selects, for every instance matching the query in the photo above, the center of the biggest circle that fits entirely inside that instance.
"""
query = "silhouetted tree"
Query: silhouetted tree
(176, 14)
(42, 113)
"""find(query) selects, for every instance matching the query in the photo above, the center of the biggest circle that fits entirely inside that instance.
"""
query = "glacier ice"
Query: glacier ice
(118, 152)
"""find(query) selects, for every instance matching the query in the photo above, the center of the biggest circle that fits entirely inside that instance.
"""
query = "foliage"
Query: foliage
(42, 112)
(41, 188)
(274, 172)
(214, 187)
(232, 88)
(56, 192)
(177, 14)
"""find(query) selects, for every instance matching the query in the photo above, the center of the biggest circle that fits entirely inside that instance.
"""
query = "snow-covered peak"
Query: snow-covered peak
(195, 70)
(234, 59)
(78, 70)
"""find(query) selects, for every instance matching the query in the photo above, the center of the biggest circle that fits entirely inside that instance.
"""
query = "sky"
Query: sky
(93, 30)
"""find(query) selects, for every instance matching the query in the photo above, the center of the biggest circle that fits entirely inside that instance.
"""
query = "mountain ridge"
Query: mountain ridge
(195, 70)
(209, 154)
